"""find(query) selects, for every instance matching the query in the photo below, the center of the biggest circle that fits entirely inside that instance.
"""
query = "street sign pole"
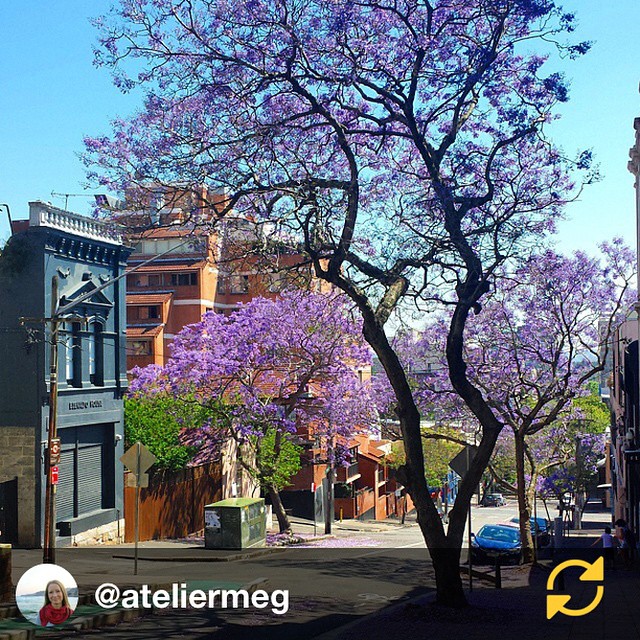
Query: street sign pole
(313, 498)
(137, 513)
(137, 459)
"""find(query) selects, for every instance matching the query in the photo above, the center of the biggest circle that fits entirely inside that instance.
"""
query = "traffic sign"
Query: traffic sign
(55, 476)
(138, 459)
(460, 464)
(54, 452)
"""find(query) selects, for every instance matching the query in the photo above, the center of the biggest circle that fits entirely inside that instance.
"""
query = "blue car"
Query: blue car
(540, 528)
(496, 541)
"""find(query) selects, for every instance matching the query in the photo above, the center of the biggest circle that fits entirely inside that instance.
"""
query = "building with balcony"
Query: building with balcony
(185, 263)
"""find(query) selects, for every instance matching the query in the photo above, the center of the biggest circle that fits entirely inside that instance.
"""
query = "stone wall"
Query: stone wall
(17, 459)
(112, 533)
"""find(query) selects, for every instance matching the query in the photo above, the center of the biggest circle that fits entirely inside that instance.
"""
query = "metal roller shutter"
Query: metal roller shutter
(89, 478)
(65, 491)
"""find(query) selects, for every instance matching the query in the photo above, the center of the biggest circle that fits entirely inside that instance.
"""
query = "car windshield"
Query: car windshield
(500, 534)
(542, 523)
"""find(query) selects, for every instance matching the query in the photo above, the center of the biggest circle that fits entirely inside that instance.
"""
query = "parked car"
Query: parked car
(496, 541)
(540, 527)
(493, 500)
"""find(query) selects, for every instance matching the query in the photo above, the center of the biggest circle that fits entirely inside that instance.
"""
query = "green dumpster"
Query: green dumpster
(236, 523)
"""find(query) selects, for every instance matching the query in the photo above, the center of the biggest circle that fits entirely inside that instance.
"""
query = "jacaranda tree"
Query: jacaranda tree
(401, 144)
(532, 351)
(263, 371)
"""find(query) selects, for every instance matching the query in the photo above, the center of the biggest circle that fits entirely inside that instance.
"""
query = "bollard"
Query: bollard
(498, 574)
(558, 529)
(340, 514)
(6, 586)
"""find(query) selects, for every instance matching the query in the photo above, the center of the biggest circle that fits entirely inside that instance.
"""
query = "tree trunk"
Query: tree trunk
(284, 525)
(524, 507)
(444, 550)
(446, 564)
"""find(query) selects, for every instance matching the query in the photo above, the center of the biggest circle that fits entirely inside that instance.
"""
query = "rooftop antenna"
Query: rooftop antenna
(66, 197)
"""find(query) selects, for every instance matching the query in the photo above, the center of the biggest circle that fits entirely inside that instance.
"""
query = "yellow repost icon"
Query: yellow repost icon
(556, 603)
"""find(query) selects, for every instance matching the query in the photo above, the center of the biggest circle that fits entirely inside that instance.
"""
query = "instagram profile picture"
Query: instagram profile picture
(47, 595)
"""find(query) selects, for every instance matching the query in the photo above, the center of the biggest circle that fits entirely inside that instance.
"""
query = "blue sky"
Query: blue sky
(51, 96)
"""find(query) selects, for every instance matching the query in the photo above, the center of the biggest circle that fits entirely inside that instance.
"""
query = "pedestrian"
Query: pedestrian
(608, 546)
(627, 541)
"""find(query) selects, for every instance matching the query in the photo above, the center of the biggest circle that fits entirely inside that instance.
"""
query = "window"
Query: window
(148, 313)
(139, 347)
(96, 354)
(154, 280)
(239, 284)
(73, 355)
(184, 279)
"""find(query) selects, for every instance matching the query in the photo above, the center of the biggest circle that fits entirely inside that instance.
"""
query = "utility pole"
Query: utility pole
(49, 555)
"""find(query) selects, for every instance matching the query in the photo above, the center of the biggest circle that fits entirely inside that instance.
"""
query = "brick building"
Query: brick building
(216, 269)
(197, 268)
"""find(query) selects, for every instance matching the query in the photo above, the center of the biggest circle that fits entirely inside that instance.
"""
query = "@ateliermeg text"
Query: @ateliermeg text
(109, 595)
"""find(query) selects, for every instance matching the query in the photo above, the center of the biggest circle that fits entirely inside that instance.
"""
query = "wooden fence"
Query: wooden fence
(173, 504)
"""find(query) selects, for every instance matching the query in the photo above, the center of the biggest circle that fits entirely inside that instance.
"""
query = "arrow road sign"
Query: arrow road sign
(460, 464)
(138, 459)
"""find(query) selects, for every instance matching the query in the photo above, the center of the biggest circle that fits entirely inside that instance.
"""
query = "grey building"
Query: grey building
(83, 254)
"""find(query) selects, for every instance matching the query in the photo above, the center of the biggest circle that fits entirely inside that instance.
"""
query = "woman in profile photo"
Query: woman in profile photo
(56, 609)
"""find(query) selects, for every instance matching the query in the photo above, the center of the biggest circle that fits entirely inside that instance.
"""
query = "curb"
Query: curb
(231, 558)
(256, 553)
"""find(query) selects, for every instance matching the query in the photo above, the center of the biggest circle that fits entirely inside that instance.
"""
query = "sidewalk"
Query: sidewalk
(301, 525)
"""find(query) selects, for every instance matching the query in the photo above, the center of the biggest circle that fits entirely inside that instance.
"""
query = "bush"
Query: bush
(157, 422)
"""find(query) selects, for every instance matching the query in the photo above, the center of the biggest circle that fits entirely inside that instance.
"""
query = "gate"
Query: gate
(9, 511)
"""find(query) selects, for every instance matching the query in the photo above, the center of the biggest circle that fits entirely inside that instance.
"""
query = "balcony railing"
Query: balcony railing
(353, 470)
(42, 214)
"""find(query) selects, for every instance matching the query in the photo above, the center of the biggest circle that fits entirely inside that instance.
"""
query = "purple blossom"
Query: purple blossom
(271, 365)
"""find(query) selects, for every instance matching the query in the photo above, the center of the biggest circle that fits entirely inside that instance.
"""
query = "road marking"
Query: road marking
(404, 546)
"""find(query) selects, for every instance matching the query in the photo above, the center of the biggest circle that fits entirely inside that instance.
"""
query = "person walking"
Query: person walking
(627, 541)
(608, 546)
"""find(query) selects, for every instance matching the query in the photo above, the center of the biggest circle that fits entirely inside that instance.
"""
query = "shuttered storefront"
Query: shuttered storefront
(82, 466)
